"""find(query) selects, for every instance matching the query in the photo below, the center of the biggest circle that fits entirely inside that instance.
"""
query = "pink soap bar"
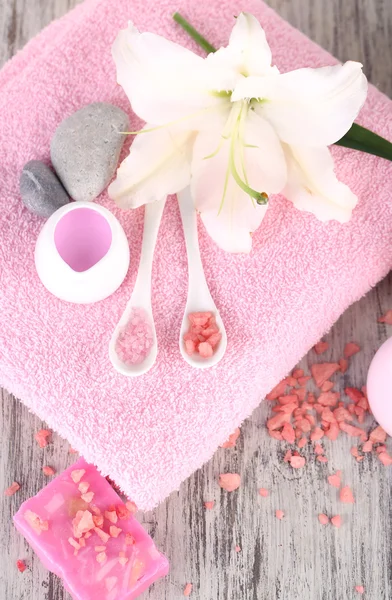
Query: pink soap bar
(91, 542)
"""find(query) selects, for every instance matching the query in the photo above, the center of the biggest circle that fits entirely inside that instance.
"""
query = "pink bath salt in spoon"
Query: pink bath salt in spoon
(133, 347)
(201, 314)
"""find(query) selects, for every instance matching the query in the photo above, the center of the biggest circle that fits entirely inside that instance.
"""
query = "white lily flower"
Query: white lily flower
(234, 128)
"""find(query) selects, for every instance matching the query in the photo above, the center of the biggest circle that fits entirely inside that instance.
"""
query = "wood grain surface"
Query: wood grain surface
(293, 559)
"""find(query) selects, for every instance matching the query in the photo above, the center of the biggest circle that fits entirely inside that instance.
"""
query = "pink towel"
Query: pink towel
(150, 433)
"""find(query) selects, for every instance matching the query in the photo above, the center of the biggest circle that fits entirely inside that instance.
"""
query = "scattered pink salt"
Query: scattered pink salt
(101, 557)
(343, 363)
(360, 589)
(323, 519)
(188, 589)
(346, 495)
(321, 347)
(387, 318)
(77, 475)
(381, 448)
(288, 433)
(279, 514)
(114, 531)
(42, 437)
(263, 492)
(111, 516)
(317, 434)
(328, 398)
(230, 443)
(323, 371)
(229, 481)
(327, 385)
(367, 446)
(12, 489)
(297, 462)
(303, 380)
(378, 435)
(135, 341)
(318, 449)
(302, 442)
(277, 421)
(350, 349)
(209, 505)
(322, 459)
(385, 458)
(335, 480)
(354, 394)
(48, 471)
(21, 565)
(336, 521)
(298, 373)
(238, 548)
(287, 457)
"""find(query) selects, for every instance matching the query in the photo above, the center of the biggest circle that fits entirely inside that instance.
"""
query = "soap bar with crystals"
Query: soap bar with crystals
(83, 532)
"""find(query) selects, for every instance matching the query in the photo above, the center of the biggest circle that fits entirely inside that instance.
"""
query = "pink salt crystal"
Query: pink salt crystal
(74, 543)
(88, 497)
(301, 393)
(336, 521)
(111, 516)
(359, 458)
(287, 457)
(289, 399)
(367, 446)
(322, 459)
(353, 393)
(275, 434)
(317, 434)
(321, 347)
(200, 318)
(190, 347)
(302, 442)
(77, 475)
(311, 420)
(83, 487)
(378, 435)
(229, 481)
(21, 566)
(277, 421)
(238, 548)
(354, 451)
(129, 540)
(381, 448)
(359, 588)
(350, 349)
(323, 519)
(333, 432)
(328, 398)
(385, 458)
(48, 471)
(288, 433)
(102, 534)
(327, 385)
(342, 414)
(351, 430)
(214, 340)
(42, 437)
(135, 341)
(101, 557)
(114, 531)
(87, 535)
(263, 492)
(98, 520)
(343, 363)
(36, 523)
(297, 462)
(131, 506)
(323, 371)
(387, 318)
(205, 350)
(279, 514)
(298, 373)
(209, 505)
(346, 495)
(12, 489)
(82, 523)
(277, 391)
(303, 380)
(335, 480)
(122, 511)
(318, 449)
(230, 443)
(188, 589)
(72, 450)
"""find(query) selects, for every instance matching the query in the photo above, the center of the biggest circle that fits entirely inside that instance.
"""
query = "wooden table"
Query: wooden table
(296, 559)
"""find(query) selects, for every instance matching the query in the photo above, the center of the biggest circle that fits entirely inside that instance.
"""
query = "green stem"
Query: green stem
(195, 35)
(357, 138)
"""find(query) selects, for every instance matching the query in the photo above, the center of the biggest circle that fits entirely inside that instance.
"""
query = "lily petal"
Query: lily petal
(313, 186)
(312, 107)
(158, 165)
(164, 82)
(248, 51)
(229, 214)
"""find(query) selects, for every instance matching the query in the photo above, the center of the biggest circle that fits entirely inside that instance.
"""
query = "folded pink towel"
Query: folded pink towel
(151, 433)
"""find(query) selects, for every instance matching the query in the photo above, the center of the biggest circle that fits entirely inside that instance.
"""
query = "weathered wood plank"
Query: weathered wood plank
(296, 558)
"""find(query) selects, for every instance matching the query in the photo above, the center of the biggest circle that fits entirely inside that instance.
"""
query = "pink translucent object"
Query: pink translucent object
(379, 385)
(134, 343)
(93, 564)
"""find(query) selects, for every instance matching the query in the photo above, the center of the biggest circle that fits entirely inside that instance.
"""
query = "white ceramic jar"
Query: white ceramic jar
(82, 253)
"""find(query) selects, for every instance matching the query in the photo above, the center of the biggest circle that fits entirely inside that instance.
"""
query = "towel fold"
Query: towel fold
(150, 433)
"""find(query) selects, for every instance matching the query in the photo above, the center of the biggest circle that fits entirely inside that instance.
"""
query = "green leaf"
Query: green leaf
(357, 138)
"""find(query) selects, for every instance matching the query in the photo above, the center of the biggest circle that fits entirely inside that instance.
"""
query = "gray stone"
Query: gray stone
(86, 147)
(41, 191)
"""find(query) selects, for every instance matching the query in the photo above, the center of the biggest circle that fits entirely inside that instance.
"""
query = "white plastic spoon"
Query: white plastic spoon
(199, 297)
(141, 295)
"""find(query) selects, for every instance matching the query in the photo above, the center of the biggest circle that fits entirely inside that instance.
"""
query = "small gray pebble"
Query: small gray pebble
(41, 191)
(86, 147)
